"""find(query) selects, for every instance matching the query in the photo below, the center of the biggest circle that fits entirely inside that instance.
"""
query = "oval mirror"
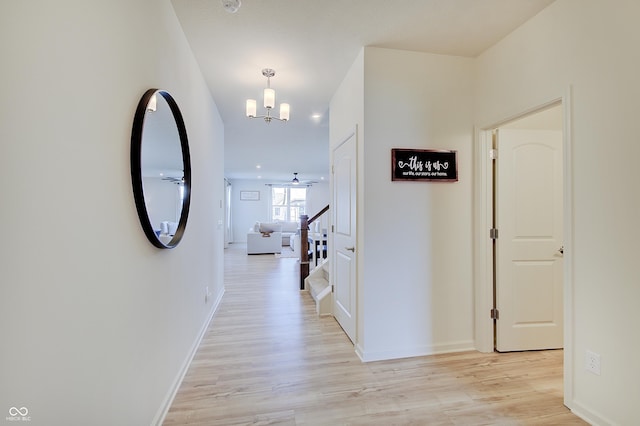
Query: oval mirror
(160, 168)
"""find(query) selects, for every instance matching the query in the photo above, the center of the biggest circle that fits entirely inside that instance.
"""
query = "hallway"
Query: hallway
(268, 359)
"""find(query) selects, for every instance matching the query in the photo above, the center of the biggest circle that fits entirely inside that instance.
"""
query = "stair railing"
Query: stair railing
(304, 243)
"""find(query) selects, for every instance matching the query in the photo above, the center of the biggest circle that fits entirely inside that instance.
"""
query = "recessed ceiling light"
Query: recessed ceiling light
(258, 166)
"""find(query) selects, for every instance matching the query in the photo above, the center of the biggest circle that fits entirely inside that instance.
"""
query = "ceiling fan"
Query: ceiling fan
(293, 182)
(296, 181)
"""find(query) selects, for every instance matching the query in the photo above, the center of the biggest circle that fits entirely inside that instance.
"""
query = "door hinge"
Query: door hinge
(495, 314)
(493, 233)
(493, 154)
(332, 231)
(332, 288)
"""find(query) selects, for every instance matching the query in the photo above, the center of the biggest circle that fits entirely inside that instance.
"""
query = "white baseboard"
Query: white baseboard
(588, 415)
(173, 390)
(467, 345)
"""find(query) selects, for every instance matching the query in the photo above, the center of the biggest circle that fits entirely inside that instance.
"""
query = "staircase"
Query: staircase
(319, 287)
(316, 281)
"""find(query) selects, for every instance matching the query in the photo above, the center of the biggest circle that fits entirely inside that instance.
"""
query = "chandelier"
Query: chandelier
(269, 101)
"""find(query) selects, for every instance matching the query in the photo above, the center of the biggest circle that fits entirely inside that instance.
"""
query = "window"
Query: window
(288, 203)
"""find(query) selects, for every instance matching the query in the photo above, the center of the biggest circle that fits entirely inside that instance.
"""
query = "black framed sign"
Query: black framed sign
(429, 165)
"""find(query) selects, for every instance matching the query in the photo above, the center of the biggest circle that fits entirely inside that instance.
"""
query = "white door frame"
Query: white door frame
(483, 213)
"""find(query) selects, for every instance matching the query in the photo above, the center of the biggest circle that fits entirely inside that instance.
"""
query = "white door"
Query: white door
(343, 272)
(529, 271)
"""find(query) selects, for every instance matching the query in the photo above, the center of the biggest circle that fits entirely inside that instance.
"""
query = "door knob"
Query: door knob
(350, 248)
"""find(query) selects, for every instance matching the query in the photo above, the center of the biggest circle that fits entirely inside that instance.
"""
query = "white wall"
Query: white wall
(590, 46)
(415, 293)
(245, 213)
(346, 116)
(318, 197)
(96, 324)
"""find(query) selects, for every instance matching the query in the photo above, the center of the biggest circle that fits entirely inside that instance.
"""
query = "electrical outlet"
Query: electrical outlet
(592, 362)
(206, 294)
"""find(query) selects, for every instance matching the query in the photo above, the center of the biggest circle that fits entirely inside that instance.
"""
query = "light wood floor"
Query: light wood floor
(268, 359)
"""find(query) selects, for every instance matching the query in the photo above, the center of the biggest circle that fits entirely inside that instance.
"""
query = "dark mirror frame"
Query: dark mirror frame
(136, 168)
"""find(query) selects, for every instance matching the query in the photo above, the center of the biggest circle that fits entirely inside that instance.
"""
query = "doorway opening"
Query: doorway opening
(483, 223)
(527, 232)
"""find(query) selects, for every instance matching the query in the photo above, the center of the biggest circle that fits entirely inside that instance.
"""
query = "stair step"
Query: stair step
(322, 266)
(318, 286)
(317, 283)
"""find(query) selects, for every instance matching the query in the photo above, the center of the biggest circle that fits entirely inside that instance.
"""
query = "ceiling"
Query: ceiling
(311, 44)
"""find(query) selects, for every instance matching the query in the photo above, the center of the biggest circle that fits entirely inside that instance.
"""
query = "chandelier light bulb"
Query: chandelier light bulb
(284, 112)
(269, 98)
(251, 108)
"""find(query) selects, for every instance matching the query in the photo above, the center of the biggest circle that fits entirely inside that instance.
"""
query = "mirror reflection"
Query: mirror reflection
(160, 168)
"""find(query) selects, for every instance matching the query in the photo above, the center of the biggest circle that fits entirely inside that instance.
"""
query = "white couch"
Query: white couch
(269, 237)
(264, 238)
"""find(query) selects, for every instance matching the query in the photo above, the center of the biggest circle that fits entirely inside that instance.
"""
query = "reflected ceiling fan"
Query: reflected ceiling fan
(174, 179)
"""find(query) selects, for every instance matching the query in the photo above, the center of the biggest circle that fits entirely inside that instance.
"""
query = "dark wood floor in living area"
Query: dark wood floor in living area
(268, 359)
